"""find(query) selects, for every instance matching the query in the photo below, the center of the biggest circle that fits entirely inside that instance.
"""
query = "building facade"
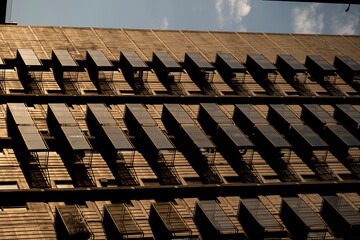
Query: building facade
(158, 134)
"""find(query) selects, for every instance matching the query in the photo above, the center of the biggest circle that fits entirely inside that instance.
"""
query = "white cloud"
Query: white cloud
(308, 19)
(232, 12)
(242, 9)
(346, 23)
(219, 9)
(165, 23)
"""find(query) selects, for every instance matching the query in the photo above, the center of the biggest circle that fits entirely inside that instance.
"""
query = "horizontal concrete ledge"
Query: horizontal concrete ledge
(156, 99)
(184, 191)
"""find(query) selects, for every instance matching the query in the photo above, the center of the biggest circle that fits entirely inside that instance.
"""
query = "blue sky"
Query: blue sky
(218, 15)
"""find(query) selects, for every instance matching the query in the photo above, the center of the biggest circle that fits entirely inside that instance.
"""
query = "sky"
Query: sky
(214, 15)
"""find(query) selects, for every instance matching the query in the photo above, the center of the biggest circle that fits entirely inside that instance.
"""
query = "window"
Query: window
(258, 93)
(50, 91)
(194, 92)
(8, 185)
(64, 184)
(108, 182)
(272, 179)
(193, 180)
(17, 91)
(161, 92)
(90, 91)
(30, 106)
(322, 93)
(347, 177)
(292, 93)
(228, 92)
(127, 92)
(151, 182)
(45, 133)
(233, 179)
(310, 178)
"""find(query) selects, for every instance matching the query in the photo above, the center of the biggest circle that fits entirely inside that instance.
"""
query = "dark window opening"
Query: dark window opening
(347, 177)
(126, 92)
(193, 180)
(151, 182)
(292, 93)
(261, 93)
(161, 92)
(194, 92)
(233, 179)
(51, 91)
(310, 178)
(228, 92)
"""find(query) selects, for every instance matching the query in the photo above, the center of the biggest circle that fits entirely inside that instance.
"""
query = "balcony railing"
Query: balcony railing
(356, 78)
(126, 157)
(271, 77)
(354, 152)
(330, 78)
(300, 78)
(41, 158)
(83, 157)
(238, 78)
(140, 76)
(320, 155)
(37, 78)
(246, 155)
(174, 77)
(208, 155)
(284, 154)
(209, 76)
(168, 156)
